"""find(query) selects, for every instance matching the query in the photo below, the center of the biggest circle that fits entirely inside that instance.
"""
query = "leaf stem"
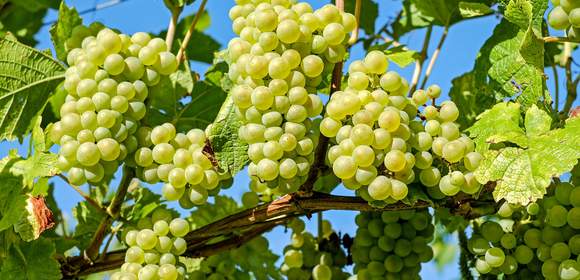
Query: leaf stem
(420, 60)
(85, 196)
(175, 12)
(190, 31)
(355, 32)
(92, 250)
(435, 56)
(571, 83)
(556, 88)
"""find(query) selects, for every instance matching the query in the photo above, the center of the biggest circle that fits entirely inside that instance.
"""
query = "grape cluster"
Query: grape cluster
(382, 143)
(225, 266)
(540, 239)
(106, 84)
(277, 62)
(178, 160)
(307, 258)
(566, 16)
(154, 248)
(392, 244)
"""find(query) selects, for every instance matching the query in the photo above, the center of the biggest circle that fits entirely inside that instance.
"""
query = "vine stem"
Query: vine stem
(320, 152)
(187, 37)
(357, 10)
(85, 195)
(236, 229)
(175, 12)
(92, 250)
(435, 56)
(420, 60)
(556, 88)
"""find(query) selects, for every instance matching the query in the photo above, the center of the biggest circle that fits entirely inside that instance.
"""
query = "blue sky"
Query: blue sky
(457, 57)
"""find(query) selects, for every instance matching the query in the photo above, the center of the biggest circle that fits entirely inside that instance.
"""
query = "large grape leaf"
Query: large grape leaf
(230, 151)
(23, 21)
(448, 12)
(410, 18)
(31, 261)
(185, 102)
(504, 118)
(61, 30)
(12, 200)
(509, 64)
(27, 80)
(40, 164)
(163, 103)
(524, 172)
(88, 220)
(206, 100)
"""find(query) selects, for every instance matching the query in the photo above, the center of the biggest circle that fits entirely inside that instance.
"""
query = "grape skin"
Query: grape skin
(274, 86)
(149, 254)
(392, 242)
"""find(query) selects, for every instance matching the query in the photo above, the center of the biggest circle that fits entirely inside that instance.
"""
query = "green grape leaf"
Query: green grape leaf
(164, 98)
(61, 30)
(222, 207)
(411, 18)
(12, 200)
(537, 121)
(369, 13)
(519, 12)
(35, 5)
(448, 12)
(88, 220)
(473, 9)
(31, 261)
(27, 78)
(229, 149)
(20, 23)
(326, 182)
(206, 100)
(523, 174)
(401, 56)
(145, 202)
(40, 164)
(415, 195)
(503, 118)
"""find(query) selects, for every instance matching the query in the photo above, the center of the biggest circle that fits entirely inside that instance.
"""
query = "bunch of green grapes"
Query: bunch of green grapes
(566, 16)
(178, 160)
(107, 83)
(225, 266)
(308, 258)
(382, 143)
(540, 239)
(154, 248)
(277, 62)
(392, 244)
